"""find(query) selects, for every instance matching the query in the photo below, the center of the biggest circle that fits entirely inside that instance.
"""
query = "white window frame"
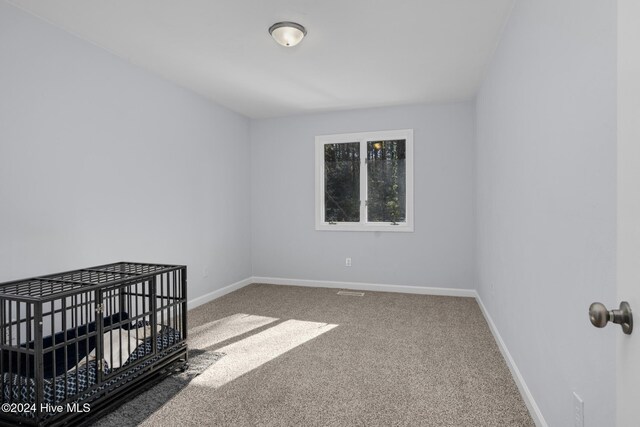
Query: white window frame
(363, 138)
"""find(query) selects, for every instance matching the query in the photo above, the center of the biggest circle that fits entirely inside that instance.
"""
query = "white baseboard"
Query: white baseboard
(360, 286)
(534, 410)
(218, 293)
(193, 303)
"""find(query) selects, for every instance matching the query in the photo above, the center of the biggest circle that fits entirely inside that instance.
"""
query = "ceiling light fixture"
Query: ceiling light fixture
(287, 33)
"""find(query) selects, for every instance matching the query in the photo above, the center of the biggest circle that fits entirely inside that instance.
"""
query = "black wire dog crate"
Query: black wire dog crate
(76, 344)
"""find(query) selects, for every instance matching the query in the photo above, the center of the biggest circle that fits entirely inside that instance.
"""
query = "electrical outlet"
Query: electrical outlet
(578, 411)
(347, 262)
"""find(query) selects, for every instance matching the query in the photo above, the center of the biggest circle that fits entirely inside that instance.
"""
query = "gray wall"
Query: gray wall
(441, 250)
(101, 161)
(546, 173)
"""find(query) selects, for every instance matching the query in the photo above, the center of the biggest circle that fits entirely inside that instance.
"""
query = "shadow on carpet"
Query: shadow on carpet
(137, 410)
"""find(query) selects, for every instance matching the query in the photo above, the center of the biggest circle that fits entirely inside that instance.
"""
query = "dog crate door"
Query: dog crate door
(130, 330)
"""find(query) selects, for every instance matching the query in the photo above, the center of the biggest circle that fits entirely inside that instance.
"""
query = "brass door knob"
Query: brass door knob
(600, 316)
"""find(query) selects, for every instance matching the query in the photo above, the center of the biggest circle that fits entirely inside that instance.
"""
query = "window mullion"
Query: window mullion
(363, 182)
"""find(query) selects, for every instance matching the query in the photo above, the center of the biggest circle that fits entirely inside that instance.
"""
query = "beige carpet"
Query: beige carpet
(307, 356)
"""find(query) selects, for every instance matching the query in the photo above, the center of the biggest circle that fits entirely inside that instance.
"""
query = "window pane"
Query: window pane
(342, 182)
(386, 181)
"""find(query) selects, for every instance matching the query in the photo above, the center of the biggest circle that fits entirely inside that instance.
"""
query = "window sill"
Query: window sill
(387, 227)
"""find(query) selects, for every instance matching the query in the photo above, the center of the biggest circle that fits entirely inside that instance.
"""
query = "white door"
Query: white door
(628, 256)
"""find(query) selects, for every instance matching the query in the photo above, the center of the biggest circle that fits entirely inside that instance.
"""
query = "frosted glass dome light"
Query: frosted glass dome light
(287, 33)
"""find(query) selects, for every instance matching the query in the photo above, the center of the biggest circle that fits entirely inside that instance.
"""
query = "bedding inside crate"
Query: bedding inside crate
(20, 386)
(73, 354)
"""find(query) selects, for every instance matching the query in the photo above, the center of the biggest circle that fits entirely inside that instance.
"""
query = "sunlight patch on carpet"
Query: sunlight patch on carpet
(252, 352)
(220, 330)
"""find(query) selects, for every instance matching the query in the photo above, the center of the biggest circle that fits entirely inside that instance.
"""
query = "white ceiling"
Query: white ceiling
(358, 53)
